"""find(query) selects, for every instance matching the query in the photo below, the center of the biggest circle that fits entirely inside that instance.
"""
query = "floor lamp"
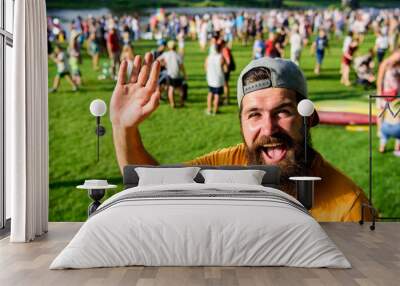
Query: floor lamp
(369, 204)
(98, 108)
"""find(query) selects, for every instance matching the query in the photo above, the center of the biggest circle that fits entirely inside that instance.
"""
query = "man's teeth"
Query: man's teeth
(272, 145)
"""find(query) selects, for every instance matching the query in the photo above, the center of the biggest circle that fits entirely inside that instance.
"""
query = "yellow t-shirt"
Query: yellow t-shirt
(336, 197)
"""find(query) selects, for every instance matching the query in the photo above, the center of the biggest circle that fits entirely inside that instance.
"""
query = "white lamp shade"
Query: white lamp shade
(305, 107)
(98, 107)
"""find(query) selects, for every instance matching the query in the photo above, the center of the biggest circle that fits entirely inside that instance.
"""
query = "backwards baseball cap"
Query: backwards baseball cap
(283, 74)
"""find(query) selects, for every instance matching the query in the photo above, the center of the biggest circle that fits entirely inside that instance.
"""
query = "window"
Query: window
(6, 44)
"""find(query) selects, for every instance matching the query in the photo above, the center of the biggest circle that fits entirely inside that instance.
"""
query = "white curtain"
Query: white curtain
(27, 123)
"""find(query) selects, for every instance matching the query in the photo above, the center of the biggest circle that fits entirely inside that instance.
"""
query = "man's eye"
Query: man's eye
(254, 114)
(285, 112)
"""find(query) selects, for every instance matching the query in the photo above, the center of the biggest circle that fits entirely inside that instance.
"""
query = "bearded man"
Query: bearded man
(268, 92)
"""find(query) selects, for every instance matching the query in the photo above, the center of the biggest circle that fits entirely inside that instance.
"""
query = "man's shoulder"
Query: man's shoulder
(337, 197)
(233, 155)
(333, 177)
(235, 149)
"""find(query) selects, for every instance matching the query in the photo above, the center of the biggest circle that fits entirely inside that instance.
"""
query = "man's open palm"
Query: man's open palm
(135, 99)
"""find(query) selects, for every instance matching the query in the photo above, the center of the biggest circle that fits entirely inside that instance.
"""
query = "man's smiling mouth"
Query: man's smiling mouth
(273, 153)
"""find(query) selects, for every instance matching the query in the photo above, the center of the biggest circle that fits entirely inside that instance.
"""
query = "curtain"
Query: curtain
(27, 123)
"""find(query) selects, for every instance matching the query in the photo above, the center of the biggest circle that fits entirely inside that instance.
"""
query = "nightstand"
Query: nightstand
(96, 191)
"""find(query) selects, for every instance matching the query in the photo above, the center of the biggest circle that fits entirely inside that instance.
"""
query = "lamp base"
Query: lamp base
(96, 195)
(305, 190)
(373, 212)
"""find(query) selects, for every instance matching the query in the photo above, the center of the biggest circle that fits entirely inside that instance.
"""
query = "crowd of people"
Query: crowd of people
(270, 32)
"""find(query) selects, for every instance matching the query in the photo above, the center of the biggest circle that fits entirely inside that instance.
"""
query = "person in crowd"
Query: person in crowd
(381, 46)
(61, 59)
(127, 55)
(135, 28)
(390, 126)
(295, 45)
(181, 43)
(364, 68)
(114, 50)
(258, 47)
(94, 51)
(192, 29)
(347, 41)
(394, 28)
(272, 47)
(163, 78)
(388, 85)
(229, 26)
(74, 68)
(229, 67)
(176, 72)
(281, 40)
(203, 33)
(318, 47)
(270, 127)
(74, 43)
(347, 59)
(126, 36)
(214, 66)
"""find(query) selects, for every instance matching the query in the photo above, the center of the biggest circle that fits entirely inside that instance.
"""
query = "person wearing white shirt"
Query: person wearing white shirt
(295, 45)
(214, 66)
(381, 46)
(174, 64)
(347, 41)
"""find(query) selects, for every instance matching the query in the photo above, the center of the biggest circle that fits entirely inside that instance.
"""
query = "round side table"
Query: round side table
(96, 191)
(305, 190)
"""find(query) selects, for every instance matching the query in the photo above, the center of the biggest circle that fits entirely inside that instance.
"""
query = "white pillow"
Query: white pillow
(163, 176)
(249, 177)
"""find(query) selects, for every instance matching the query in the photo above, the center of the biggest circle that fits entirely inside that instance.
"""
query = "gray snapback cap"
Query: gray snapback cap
(284, 74)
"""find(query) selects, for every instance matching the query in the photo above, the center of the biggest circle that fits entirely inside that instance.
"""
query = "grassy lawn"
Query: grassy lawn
(182, 134)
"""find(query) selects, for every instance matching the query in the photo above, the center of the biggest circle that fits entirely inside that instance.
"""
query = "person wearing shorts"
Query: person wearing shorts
(61, 60)
(173, 63)
(347, 59)
(320, 44)
(215, 65)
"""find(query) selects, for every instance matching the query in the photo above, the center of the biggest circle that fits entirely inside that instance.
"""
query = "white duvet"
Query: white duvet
(206, 230)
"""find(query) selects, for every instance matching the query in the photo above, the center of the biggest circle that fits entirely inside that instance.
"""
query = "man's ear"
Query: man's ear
(312, 120)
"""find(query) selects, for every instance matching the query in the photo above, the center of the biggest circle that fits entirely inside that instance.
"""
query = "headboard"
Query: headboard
(270, 179)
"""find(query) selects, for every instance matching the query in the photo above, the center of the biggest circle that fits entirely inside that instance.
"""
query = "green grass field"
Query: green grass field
(182, 134)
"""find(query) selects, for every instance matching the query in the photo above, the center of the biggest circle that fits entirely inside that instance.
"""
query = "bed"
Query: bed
(201, 223)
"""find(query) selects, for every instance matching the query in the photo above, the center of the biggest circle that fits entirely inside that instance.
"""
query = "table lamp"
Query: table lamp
(305, 184)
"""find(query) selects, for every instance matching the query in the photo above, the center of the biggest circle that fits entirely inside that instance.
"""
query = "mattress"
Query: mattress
(201, 225)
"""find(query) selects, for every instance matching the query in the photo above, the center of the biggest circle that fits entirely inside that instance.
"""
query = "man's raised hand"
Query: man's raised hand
(134, 99)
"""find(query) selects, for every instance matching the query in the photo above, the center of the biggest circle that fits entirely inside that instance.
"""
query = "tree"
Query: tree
(352, 4)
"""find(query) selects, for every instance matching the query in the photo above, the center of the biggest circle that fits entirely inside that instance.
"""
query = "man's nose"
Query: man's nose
(269, 125)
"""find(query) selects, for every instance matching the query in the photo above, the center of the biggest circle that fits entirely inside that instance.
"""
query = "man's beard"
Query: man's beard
(292, 165)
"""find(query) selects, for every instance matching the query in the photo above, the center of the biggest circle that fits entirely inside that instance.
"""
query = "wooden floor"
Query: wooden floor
(374, 255)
